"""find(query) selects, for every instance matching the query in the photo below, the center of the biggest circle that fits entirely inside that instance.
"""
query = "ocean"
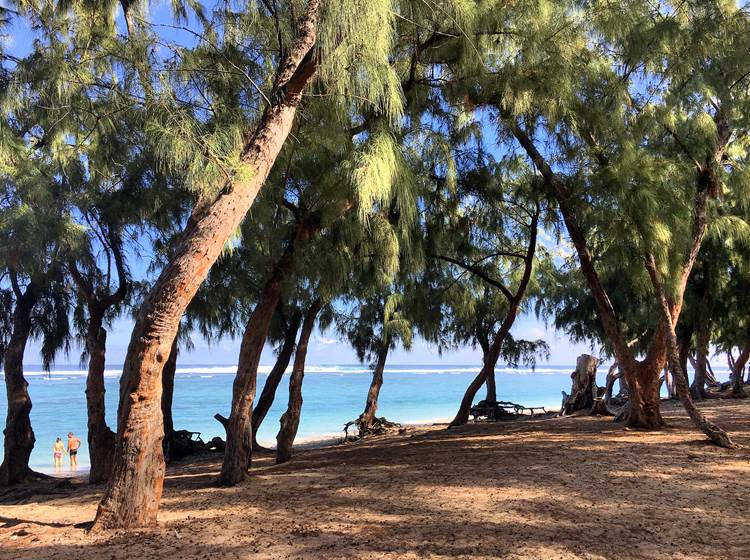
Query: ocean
(333, 395)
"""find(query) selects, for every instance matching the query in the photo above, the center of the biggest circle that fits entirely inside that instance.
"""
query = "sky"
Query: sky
(324, 349)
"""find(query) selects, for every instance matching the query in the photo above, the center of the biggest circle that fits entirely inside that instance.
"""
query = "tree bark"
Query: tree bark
(134, 491)
(290, 419)
(738, 368)
(238, 453)
(268, 394)
(491, 385)
(714, 432)
(167, 396)
(371, 404)
(239, 448)
(698, 388)
(19, 436)
(101, 439)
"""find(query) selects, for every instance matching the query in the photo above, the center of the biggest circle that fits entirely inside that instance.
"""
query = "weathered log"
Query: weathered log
(584, 389)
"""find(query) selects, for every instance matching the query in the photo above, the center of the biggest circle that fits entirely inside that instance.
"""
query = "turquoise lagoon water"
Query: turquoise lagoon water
(332, 395)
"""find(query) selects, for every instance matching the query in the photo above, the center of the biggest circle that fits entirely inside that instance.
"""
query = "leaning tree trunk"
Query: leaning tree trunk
(135, 488)
(714, 432)
(698, 388)
(642, 410)
(738, 368)
(493, 354)
(19, 437)
(101, 439)
(290, 419)
(488, 367)
(167, 396)
(268, 394)
(371, 405)
(238, 452)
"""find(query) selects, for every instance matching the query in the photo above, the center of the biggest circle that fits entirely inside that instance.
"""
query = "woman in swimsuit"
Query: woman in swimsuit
(57, 452)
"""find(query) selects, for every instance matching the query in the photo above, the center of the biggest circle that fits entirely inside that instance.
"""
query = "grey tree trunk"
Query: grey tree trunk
(584, 389)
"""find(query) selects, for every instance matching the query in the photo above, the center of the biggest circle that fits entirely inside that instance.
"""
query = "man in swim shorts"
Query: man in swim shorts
(73, 445)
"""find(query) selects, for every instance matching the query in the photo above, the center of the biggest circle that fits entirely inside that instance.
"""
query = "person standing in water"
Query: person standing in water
(57, 452)
(73, 445)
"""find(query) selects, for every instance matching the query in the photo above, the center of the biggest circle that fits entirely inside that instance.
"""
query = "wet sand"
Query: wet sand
(538, 488)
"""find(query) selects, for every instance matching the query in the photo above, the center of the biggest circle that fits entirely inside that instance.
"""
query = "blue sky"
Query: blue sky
(324, 349)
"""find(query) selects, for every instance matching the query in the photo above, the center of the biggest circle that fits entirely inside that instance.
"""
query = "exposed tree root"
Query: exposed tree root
(379, 426)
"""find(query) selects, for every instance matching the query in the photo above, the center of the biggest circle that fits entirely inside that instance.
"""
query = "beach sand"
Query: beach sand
(539, 488)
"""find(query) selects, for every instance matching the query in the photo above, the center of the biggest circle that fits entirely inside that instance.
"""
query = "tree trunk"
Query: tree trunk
(268, 394)
(643, 409)
(714, 432)
(239, 448)
(642, 378)
(698, 388)
(135, 488)
(488, 367)
(514, 303)
(371, 405)
(238, 453)
(738, 368)
(101, 439)
(19, 437)
(290, 419)
(167, 395)
(491, 385)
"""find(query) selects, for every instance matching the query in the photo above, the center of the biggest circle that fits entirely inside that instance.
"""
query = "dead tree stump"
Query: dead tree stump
(584, 391)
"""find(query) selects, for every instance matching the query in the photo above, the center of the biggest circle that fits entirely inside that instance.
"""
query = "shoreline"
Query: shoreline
(316, 442)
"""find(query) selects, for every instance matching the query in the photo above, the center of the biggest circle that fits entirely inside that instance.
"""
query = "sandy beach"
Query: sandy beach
(537, 488)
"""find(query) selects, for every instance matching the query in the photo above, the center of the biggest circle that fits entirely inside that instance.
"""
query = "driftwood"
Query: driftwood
(184, 443)
(492, 411)
(378, 426)
(584, 391)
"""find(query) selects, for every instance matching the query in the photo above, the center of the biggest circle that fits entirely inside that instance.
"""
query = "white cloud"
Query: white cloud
(322, 341)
